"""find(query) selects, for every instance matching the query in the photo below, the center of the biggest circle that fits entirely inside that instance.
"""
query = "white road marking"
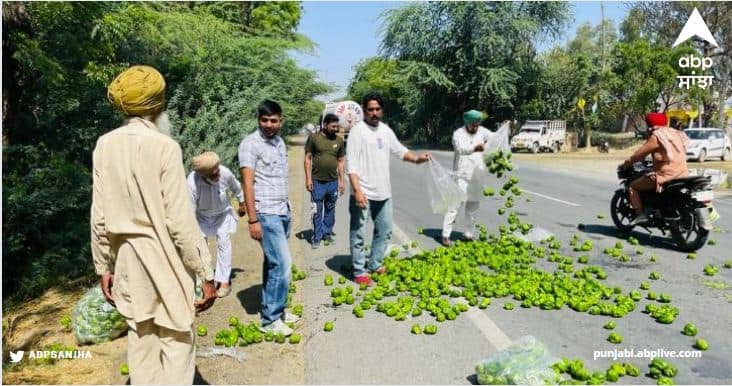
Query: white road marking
(550, 198)
(486, 326)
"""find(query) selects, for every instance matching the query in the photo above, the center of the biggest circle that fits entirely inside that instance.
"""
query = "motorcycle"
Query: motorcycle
(603, 147)
(683, 207)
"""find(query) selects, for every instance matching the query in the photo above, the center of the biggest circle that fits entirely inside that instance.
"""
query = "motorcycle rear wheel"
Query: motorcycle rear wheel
(687, 233)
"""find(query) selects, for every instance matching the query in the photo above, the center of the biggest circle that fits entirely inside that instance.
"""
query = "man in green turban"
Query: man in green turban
(146, 244)
(468, 142)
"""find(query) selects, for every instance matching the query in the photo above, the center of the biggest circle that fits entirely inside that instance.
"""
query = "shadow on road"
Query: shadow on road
(644, 239)
(436, 234)
(234, 271)
(198, 378)
(251, 299)
(340, 264)
(473, 379)
(306, 235)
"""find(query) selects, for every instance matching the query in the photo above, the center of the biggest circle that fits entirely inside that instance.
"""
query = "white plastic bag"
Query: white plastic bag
(478, 182)
(537, 234)
(94, 320)
(526, 362)
(210, 352)
(444, 192)
(498, 141)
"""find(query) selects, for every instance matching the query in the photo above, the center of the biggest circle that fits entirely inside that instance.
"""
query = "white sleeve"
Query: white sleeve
(353, 151)
(235, 186)
(396, 147)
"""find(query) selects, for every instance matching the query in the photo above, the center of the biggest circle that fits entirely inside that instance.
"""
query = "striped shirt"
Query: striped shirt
(268, 158)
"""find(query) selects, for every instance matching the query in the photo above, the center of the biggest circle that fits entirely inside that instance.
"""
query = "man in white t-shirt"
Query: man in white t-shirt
(367, 156)
(469, 143)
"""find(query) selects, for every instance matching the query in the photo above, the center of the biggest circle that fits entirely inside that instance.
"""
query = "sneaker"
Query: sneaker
(363, 279)
(315, 244)
(380, 271)
(467, 236)
(445, 242)
(223, 292)
(328, 238)
(290, 318)
(277, 327)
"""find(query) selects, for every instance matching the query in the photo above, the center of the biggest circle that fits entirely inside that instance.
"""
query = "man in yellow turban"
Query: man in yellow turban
(145, 241)
(209, 184)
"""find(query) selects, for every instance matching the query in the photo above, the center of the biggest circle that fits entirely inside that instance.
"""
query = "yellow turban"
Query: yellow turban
(138, 91)
(205, 162)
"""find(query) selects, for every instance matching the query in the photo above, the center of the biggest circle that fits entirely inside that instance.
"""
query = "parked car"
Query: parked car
(537, 136)
(708, 142)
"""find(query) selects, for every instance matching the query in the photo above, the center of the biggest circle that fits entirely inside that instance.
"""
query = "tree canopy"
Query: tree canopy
(220, 60)
(439, 59)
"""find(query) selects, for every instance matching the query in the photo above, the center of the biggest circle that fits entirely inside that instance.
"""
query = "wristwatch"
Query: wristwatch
(256, 220)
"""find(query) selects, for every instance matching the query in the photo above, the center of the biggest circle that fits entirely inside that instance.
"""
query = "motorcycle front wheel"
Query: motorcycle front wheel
(621, 212)
(688, 233)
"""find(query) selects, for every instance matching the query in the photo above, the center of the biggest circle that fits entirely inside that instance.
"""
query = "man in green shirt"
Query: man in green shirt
(325, 162)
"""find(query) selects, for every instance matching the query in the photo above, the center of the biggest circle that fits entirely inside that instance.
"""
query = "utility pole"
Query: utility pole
(602, 34)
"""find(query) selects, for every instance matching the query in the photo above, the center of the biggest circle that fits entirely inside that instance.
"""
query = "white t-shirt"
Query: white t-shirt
(367, 155)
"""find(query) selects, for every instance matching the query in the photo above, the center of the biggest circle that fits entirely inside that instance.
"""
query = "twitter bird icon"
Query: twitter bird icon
(16, 357)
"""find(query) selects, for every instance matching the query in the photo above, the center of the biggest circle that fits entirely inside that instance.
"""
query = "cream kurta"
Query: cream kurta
(143, 226)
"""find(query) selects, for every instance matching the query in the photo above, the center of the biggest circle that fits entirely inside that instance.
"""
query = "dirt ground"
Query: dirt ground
(37, 324)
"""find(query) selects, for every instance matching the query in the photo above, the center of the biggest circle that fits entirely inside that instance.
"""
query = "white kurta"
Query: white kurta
(215, 215)
(213, 208)
(467, 163)
(466, 159)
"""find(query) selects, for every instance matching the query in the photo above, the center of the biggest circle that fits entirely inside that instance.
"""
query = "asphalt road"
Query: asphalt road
(378, 350)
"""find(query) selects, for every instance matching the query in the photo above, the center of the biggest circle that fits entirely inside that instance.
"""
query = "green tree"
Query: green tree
(645, 72)
(458, 56)
(58, 58)
(661, 23)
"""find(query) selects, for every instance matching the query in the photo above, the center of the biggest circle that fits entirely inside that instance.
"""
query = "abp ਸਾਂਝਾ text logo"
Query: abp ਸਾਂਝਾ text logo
(695, 26)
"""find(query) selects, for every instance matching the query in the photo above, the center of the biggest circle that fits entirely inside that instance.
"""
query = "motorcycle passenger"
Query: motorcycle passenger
(667, 147)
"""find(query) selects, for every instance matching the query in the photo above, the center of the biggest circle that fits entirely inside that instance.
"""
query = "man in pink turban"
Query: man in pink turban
(667, 147)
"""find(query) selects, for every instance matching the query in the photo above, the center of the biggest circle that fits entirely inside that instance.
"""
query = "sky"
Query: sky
(346, 32)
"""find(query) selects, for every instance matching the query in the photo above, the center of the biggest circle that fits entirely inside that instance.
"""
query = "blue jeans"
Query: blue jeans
(381, 216)
(276, 268)
(324, 196)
